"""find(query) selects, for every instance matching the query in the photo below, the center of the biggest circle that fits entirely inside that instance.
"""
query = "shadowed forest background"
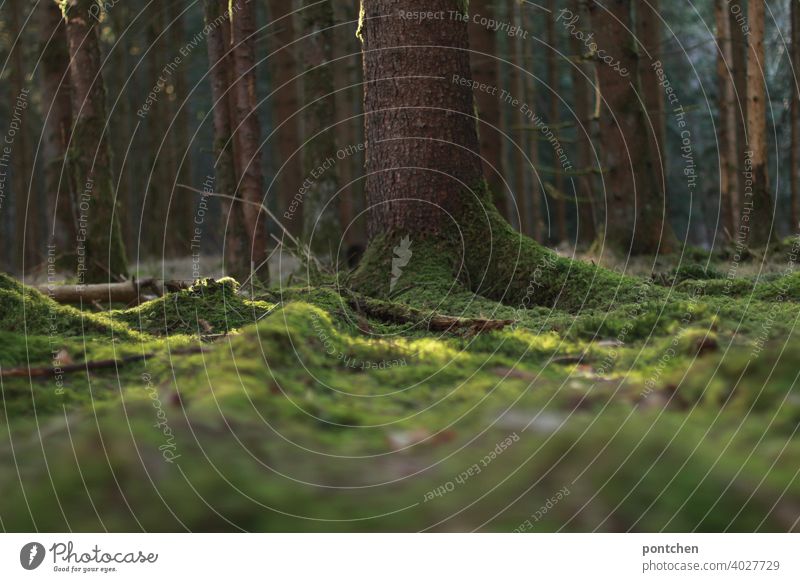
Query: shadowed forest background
(399, 265)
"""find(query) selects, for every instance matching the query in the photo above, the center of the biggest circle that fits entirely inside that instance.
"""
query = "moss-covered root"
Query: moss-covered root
(488, 257)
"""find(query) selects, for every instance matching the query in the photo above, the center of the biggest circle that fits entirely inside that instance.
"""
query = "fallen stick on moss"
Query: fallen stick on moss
(396, 313)
(127, 292)
(51, 371)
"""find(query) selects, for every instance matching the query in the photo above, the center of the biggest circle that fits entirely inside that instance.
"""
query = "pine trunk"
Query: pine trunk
(559, 202)
(757, 200)
(794, 162)
(236, 242)
(286, 102)
(101, 253)
(57, 109)
(729, 180)
(321, 228)
(485, 72)
(247, 133)
(582, 75)
(636, 216)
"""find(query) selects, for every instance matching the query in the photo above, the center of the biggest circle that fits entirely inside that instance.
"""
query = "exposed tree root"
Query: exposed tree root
(127, 292)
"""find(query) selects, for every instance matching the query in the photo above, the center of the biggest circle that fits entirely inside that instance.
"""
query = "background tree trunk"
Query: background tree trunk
(759, 199)
(581, 73)
(729, 180)
(247, 132)
(321, 228)
(559, 202)
(485, 71)
(237, 263)
(524, 166)
(27, 241)
(636, 216)
(737, 11)
(535, 194)
(794, 215)
(181, 214)
(89, 154)
(59, 186)
(286, 101)
(648, 32)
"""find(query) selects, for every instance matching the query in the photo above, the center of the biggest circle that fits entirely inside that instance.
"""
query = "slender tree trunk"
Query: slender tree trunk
(247, 132)
(180, 159)
(737, 12)
(581, 74)
(636, 218)
(57, 110)
(321, 226)
(729, 180)
(485, 72)
(236, 244)
(757, 201)
(648, 32)
(535, 194)
(524, 167)
(101, 253)
(794, 162)
(286, 101)
(560, 202)
(27, 253)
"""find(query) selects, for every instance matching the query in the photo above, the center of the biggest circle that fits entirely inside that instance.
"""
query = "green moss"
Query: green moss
(208, 307)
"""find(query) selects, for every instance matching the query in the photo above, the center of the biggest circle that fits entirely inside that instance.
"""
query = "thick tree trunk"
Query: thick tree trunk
(794, 162)
(247, 132)
(101, 253)
(582, 72)
(237, 263)
(27, 240)
(432, 223)
(321, 228)
(485, 72)
(636, 209)
(559, 202)
(729, 180)
(286, 101)
(57, 110)
(757, 200)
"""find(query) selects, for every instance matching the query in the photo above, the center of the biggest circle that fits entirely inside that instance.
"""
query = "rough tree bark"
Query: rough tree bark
(729, 180)
(27, 225)
(648, 33)
(247, 132)
(757, 199)
(794, 215)
(581, 73)
(57, 109)
(535, 194)
(431, 221)
(636, 220)
(559, 202)
(180, 159)
(737, 13)
(286, 100)
(485, 72)
(321, 227)
(101, 256)
(236, 243)
(524, 165)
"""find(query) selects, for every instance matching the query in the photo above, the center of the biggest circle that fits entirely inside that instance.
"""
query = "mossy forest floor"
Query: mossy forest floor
(311, 408)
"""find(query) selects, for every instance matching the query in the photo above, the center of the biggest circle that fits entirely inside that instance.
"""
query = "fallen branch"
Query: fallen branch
(127, 292)
(393, 313)
(52, 371)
